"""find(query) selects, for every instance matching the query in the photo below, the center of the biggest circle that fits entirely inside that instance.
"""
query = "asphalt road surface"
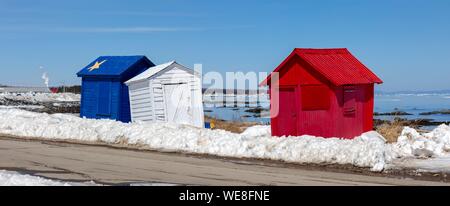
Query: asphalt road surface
(106, 165)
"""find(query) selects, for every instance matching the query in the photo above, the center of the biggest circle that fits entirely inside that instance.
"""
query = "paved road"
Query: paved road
(75, 162)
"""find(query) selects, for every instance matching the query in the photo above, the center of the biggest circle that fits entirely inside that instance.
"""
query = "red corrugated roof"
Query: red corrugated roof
(337, 65)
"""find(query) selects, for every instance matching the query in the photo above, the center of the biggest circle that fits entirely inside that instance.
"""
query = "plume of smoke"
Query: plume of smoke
(46, 79)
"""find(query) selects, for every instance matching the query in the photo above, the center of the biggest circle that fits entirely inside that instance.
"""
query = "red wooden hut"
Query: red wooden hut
(321, 92)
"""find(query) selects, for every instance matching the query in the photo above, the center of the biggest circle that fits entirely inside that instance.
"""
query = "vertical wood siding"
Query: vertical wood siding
(148, 100)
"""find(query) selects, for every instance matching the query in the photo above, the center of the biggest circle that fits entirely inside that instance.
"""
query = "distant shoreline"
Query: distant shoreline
(261, 90)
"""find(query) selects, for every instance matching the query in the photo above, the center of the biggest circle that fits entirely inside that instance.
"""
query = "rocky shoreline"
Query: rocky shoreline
(443, 112)
(394, 113)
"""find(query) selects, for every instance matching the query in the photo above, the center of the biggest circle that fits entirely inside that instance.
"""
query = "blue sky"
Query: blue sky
(407, 43)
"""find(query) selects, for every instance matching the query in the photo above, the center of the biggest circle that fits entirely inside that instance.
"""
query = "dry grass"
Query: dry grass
(390, 131)
(231, 126)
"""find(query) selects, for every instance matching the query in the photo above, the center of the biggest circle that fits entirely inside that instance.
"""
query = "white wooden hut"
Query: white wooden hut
(168, 92)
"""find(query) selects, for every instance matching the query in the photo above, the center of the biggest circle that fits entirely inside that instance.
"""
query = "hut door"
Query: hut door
(287, 117)
(178, 103)
(104, 99)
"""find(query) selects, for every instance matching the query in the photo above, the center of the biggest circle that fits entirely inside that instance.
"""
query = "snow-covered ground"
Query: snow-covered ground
(8, 178)
(34, 98)
(368, 150)
(413, 144)
(255, 142)
(424, 152)
(437, 164)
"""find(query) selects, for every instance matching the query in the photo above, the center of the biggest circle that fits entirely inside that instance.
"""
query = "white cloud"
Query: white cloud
(136, 29)
(142, 29)
(36, 11)
(149, 13)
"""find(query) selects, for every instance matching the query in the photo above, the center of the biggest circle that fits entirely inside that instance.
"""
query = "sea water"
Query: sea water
(413, 104)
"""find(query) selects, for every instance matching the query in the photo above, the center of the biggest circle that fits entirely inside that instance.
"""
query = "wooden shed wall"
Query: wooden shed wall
(148, 99)
(91, 105)
(333, 121)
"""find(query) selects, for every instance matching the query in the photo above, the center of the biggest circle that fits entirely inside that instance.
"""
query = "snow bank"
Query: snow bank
(258, 130)
(32, 97)
(413, 144)
(8, 178)
(367, 150)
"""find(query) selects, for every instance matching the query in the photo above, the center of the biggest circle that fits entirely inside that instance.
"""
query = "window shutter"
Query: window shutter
(349, 100)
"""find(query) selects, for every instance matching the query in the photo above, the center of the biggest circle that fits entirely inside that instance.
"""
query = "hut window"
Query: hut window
(315, 97)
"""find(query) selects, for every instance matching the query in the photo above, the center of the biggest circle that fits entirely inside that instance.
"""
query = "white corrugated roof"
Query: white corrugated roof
(150, 72)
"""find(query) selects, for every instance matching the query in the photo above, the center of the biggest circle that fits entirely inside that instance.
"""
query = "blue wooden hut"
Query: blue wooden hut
(103, 92)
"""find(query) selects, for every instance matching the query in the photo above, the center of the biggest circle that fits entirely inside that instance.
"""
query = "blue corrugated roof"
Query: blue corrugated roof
(111, 65)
